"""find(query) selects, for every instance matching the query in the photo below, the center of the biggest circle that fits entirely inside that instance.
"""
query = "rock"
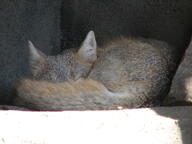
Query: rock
(181, 89)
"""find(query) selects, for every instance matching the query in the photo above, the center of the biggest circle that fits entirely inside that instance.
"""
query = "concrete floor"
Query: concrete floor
(163, 125)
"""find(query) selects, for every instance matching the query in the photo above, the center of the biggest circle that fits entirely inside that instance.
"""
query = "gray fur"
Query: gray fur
(71, 64)
(60, 24)
(128, 72)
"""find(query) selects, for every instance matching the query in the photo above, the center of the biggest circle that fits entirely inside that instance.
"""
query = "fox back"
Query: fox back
(129, 72)
(140, 66)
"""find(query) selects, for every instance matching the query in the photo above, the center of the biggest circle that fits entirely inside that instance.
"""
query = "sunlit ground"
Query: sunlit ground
(92, 127)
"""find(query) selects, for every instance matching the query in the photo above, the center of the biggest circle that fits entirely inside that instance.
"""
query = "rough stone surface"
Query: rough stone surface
(148, 126)
(181, 89)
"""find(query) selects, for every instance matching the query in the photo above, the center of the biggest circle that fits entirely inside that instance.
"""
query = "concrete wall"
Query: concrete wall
(52, 25)
(35, 20)
(164, 20)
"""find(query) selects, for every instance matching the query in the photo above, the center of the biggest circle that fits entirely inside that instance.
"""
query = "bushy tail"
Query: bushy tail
(79, 95)
(73, 95)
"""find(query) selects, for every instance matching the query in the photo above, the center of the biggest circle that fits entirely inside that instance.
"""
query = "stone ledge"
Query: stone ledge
(163, 125)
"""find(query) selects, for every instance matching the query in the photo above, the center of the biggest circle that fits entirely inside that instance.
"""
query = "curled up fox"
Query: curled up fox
(127, 73)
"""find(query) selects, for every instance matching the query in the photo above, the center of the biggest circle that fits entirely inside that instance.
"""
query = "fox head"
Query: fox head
(71, 64)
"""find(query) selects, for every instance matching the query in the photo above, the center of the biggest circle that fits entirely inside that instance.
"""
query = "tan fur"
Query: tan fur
(81, 90)
(128, 72)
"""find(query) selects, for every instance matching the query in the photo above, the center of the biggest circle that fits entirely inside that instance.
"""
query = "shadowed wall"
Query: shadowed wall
(59, 24)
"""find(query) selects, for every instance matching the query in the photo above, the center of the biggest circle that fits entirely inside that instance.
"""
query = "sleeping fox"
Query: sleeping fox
(125, 73)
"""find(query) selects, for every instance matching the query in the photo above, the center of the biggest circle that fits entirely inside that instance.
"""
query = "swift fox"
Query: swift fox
(126, 73)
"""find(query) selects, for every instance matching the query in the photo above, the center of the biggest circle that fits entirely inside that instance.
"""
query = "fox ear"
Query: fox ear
(88, 50)
(34, 53)
(36, 59)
